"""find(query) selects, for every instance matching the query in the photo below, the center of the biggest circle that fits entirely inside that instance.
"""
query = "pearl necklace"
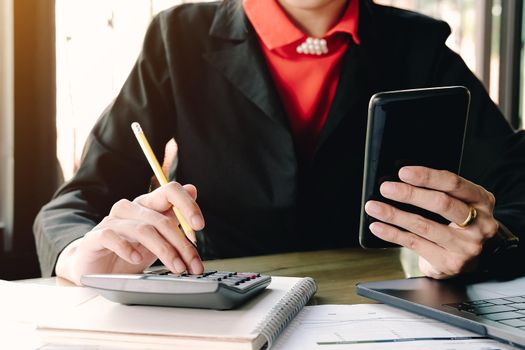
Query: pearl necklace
(313, 46)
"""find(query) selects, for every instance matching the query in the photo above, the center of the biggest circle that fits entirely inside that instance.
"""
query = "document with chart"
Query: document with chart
(369, 326)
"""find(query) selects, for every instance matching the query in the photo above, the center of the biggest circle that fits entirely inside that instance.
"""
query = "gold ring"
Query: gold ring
(472, 214)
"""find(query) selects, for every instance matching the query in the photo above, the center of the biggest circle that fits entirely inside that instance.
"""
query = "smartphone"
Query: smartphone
(410, 127)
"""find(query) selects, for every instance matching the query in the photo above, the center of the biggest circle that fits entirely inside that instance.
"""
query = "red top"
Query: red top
(305, 82)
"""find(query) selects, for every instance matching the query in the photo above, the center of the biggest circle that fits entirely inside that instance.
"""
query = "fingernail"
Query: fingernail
(136, 257)
(196, 266)
(179, 265)
(406, 174)
(196, 222)
(373, 208)
(376, 228)
(388, 188)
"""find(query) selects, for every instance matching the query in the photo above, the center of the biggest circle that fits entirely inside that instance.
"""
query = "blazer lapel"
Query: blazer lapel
(350, 89)
(362, 75)
(240, 59)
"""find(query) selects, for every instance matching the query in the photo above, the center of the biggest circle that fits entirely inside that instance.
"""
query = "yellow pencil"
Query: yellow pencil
(155, 166)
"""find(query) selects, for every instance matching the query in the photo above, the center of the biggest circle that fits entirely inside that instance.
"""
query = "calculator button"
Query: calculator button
(249, 275)
(192, 277)
(172, 274)
(236, 279)
(249, 284)
(160, 270)
(229, 274)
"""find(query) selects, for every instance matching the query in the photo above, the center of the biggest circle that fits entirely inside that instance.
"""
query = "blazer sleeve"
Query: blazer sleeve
(494, 153)
(112, 165)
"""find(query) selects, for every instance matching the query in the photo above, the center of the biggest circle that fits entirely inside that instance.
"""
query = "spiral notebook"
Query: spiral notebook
(257, 323)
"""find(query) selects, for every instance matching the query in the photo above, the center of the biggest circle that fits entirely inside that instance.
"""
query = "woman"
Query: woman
(267, 101)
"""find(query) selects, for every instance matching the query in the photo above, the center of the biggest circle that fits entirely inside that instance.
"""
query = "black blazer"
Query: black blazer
(202, 79)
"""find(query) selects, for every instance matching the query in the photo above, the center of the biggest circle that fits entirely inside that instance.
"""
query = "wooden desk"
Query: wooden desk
(335, 271)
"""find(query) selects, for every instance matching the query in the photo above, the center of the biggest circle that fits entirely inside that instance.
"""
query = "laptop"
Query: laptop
(493, 308)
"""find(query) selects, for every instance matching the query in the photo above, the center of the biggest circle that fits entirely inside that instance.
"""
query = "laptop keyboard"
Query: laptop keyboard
(508, 311)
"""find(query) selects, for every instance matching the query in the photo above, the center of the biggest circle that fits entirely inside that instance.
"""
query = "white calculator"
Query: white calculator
(159, 287)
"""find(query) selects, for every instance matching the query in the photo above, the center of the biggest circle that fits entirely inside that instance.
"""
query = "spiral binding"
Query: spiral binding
(286, 309)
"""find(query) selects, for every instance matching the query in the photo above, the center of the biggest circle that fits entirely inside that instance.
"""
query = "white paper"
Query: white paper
(23, 305)
(29, 303)
(375, 326)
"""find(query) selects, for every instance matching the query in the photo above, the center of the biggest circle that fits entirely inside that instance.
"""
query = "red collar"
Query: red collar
(276, 30)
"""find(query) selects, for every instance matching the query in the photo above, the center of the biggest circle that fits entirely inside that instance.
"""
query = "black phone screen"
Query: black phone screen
(411, 127)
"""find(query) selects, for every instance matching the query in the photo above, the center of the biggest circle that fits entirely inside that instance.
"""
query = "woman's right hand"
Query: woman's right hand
(135, 234)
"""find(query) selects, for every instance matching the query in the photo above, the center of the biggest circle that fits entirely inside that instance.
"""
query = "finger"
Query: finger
(424, 228)
(144, 236)
(148, 236)
(173, 194)
(445, 181)
(173, 239)
(107, 238)
(428, 270)
(431, 252)
(192, 190)
(437, 202)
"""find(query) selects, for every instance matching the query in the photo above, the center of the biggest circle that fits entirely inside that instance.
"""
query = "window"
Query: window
(6, 123)
(28, 173)
(468, 19)
(488, 35)
(511, 53)
(97, 43)
(522, 70)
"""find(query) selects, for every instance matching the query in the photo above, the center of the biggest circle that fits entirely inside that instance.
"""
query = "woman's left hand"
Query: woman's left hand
(444, 250)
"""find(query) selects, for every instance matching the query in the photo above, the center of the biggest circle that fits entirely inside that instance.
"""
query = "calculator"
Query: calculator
(158, 286)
